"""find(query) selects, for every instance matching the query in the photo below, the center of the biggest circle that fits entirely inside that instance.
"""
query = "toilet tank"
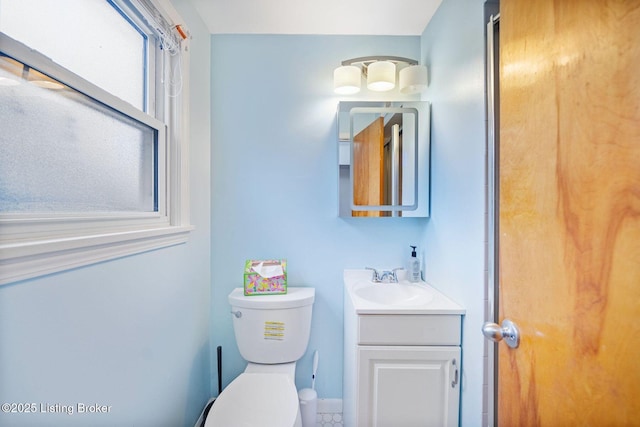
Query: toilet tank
(272, 329)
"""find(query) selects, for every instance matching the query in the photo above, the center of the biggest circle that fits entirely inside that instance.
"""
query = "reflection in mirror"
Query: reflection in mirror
(383, 158)
(380, 157)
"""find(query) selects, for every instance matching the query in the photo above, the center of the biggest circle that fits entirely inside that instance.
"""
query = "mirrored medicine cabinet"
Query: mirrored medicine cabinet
(383, 158)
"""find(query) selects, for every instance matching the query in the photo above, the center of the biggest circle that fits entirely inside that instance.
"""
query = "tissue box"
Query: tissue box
(265, 277)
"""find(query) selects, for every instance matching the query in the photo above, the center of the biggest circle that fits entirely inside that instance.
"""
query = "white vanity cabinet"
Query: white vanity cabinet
(408, 386)
(400, 370)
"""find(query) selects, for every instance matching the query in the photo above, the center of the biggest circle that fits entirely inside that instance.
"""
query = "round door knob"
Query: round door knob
(507, 331)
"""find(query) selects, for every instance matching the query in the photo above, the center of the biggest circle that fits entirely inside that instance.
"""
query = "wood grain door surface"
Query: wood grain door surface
(569, 212)
(368, 167)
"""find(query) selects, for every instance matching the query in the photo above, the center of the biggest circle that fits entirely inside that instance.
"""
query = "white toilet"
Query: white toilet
(272, 333)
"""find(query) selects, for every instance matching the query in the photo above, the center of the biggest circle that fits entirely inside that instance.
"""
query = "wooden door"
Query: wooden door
(569, 212)
(368, 176)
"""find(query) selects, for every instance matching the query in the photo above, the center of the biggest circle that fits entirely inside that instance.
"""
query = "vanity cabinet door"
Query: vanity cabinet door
(408, 386)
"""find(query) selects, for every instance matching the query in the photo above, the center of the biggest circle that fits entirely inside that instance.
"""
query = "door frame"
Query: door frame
(491, 19)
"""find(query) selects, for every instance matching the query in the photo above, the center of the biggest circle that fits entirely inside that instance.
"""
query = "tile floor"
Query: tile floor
(329, 419)
(329, 413)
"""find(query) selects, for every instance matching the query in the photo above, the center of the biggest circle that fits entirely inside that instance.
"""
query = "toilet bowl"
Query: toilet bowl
(263, 395)
(257, 400)
(272, 333)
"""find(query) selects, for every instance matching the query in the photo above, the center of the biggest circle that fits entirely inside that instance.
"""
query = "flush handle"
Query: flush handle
(238, 314)
(507, 331)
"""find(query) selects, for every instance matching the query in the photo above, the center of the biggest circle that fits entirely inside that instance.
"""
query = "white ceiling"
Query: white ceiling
(366, 17)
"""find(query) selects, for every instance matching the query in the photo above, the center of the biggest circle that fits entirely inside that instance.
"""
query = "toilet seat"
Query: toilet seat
(256, 399)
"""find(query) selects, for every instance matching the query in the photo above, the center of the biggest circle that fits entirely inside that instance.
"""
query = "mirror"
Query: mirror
(383, 159)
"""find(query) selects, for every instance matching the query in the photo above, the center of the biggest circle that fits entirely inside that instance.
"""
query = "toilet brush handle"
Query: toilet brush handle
(315, 369)
(219, 351)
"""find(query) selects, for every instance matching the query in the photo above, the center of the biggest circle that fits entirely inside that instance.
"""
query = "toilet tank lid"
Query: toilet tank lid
(295, 297)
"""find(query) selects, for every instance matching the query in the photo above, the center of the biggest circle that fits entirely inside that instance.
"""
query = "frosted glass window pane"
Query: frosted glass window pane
(61, 151)
(89, 37)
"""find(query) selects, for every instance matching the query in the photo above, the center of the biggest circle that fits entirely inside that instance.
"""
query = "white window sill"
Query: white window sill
(25, 260)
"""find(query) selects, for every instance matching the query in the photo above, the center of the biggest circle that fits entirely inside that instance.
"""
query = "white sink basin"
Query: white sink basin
(394, 294)
(367, 297)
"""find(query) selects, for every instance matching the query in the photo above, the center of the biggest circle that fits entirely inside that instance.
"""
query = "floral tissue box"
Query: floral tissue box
(265, 277)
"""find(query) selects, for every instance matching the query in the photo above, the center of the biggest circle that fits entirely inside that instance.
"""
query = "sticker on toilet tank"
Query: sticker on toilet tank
(274, 331)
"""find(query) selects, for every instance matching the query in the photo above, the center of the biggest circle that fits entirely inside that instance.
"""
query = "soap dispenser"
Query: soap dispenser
(414, 266)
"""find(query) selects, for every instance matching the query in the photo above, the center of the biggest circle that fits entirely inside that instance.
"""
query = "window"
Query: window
(98, 43)
(70, 153)
(92, 155)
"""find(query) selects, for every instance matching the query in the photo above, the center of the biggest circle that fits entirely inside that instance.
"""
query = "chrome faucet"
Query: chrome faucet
(375, 277)
(384, 276)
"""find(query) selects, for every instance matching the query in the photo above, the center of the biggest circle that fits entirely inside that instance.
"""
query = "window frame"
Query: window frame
(33, 245)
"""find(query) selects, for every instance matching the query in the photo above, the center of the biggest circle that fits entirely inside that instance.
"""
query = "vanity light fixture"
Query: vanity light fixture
(346, 80)
(413, 79)
(381, 76)
(380, 72)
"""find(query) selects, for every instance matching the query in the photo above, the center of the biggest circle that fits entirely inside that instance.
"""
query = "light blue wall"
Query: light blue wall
(131, 333)
(275, 183)
(134, 333)
(452, 47)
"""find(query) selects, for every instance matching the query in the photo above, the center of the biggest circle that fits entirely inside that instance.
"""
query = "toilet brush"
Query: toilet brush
(315, 369)
(207, 408)
(309, 398)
